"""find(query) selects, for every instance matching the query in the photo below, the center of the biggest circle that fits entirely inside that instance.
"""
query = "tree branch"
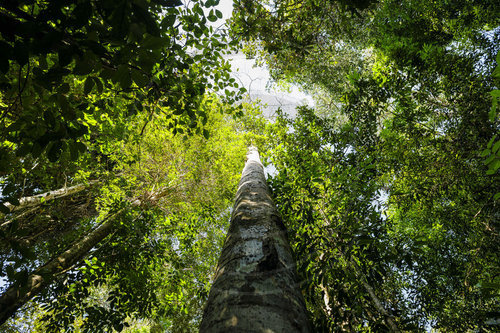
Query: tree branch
(37, 200)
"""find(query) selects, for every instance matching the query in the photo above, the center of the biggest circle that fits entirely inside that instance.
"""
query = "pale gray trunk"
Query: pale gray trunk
(38, 199)
(255, 287)
(15, 297)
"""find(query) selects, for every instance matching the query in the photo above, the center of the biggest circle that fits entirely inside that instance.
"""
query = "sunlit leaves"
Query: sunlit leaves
(81, 46)
(409, 86)
(111, 91)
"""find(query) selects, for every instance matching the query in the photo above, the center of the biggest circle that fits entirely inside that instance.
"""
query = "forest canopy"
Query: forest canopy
(123, 136)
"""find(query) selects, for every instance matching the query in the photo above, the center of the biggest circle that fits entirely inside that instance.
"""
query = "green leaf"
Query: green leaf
(496, 146)
(10, 272)
(5, 55)
(136, 33)
(8, 189)
(89, 84)
(154, 43)
(493, 111)
(147, 19)
(37, 150)
(490, 285)
(63, 88)
(495, 165)
(21, 53)
(100, 86)
(198, 32)
(485, 152)
(211, 17)
(118, 326)
(168, 3)
(65, 56)
(4, 65)
(122, 76)
(178, 111)
(496, 196)
(82, 148)
(168, 21)
(139, 78)
(73, 151)
(490, 143)
(206, 134)
(83, 66)
(489, 160)
(54, 151)
(66, 109)
(218, 13)
(82, 13)
(197, 8)
(24, 149)
(138, 105)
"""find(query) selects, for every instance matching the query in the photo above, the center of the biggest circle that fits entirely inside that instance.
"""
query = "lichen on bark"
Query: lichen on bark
(255, 287)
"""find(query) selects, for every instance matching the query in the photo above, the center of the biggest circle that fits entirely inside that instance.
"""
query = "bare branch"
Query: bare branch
(38, 199)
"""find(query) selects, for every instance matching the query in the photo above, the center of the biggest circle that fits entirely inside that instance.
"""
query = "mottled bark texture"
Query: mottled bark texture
(255, 287)
(39, 199)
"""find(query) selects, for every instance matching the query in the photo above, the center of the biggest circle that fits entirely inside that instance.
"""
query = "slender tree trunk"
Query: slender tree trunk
(255, 288)
(15, 297)
(389, 319)
(376, 301)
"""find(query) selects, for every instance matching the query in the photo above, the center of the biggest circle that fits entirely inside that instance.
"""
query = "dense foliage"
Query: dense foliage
(168, 196)
(390, 187)
(123, 115)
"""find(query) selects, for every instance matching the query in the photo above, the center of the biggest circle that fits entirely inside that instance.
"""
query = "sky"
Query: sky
(256, 79)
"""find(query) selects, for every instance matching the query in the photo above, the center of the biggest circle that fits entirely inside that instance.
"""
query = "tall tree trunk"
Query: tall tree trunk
(15, 297)
(255, 287)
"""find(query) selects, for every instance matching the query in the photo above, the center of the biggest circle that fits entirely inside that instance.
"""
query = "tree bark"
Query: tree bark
(255, 287)
(36, 200)
(15, 297)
